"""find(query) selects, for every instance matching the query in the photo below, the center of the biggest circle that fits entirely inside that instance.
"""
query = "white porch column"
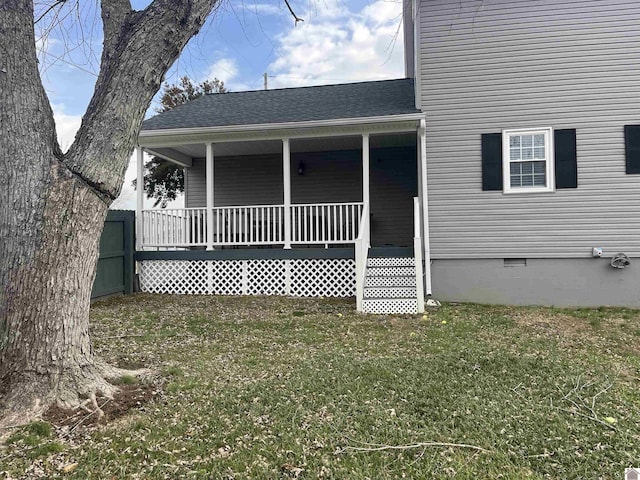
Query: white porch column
(209, 174)
(286, 173)
(365, 168)
(422, 145)
(139, 196)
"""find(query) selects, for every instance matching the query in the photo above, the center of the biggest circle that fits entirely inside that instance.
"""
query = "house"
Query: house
(503, 169)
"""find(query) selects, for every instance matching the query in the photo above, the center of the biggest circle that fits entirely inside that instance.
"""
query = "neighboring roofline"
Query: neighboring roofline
(302, 87)
(160, 132)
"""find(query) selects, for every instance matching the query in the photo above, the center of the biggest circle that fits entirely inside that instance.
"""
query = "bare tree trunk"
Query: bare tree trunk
(47, 355)
(52, 206)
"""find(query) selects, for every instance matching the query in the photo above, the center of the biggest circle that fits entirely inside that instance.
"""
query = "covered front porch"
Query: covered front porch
(290, 192)
(322, 192)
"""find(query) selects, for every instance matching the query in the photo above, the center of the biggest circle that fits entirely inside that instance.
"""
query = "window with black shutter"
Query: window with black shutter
(530, 160)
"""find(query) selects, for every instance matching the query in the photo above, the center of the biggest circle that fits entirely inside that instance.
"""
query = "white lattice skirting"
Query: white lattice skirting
(299, 277)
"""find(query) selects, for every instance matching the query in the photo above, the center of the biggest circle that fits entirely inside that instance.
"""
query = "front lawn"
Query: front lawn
(303, 388)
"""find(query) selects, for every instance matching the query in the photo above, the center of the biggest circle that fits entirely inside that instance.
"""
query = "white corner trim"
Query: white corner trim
(426, 238)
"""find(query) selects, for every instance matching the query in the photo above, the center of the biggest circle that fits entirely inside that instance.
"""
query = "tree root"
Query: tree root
(30, 395)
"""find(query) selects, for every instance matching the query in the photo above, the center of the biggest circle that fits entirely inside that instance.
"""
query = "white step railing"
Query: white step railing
(323, 223)
(362, 245)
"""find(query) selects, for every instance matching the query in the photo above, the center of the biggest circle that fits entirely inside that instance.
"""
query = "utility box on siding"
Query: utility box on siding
(116, 269)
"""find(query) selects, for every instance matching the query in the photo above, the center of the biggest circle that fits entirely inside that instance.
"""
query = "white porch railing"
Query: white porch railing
(326, 223)
(248, 225)
(174, 227)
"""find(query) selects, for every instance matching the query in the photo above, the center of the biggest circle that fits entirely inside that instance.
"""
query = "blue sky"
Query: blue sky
(339, 41)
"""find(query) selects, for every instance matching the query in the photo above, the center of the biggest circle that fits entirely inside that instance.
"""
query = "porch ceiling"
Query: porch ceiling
(198, 150)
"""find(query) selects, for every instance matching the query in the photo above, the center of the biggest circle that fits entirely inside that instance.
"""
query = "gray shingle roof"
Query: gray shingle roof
(326, 102)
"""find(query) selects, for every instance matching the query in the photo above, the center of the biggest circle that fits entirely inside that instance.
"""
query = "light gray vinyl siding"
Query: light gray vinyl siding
(328, 177)
(493, 65)
(255, 180)
(195, 193)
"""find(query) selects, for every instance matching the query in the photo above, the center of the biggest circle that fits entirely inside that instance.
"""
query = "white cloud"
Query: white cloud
(225, 69)
(264, 8)
(337, 45)
(44, 44)
(382, 12)
(66, 126)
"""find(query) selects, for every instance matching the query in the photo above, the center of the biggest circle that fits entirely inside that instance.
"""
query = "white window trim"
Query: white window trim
(550, 185)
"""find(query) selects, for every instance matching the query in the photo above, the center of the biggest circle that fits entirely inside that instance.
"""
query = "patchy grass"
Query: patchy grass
(293, 388)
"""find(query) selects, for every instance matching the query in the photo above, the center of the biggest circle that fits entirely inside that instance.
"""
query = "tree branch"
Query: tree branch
(51, 7)
(415, 445)
(293, 14)
(114, 14)
(131, 72)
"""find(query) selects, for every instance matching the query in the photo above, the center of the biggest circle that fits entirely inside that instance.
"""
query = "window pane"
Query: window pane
(514, 141)
(527, 174)
(527, 153)
(539, 167)
(538, 152)
(514, 154)
(527, 140)
(538, 140)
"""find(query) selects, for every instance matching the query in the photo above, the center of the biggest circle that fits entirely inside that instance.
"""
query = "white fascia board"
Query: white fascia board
(172, 156)
(274, 127)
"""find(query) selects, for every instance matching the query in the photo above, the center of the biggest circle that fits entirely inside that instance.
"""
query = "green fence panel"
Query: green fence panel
(115, 270)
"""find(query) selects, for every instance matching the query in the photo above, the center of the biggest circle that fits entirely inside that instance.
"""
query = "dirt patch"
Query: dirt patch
(129, 397)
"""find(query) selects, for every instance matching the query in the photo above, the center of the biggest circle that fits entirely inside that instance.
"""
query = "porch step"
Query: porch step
(390, 286)
(390, 292)
(407, 281)
(388, 306)
(391, 271)
(391, 262)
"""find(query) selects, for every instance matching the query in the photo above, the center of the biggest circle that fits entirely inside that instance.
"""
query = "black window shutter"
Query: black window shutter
(491, 161)
(632, 147)
(566, 159)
